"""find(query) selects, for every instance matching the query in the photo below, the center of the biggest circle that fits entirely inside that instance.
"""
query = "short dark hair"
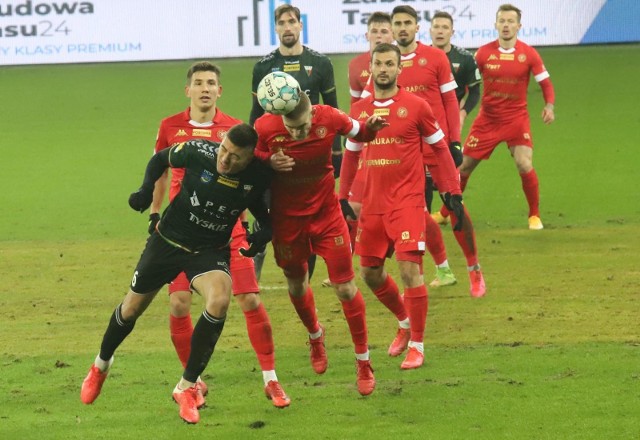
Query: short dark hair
(243, 136)
(386, 47)
(442, 14)
(405, 9)
(378, 17)
(509, 7)
(202, 66)
(283, 9)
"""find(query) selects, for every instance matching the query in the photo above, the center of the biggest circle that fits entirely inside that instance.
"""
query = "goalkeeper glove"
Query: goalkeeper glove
(454, 204)
(257, 240)
(141, 199)
(347, 210)
(456, 152)
(153, 222)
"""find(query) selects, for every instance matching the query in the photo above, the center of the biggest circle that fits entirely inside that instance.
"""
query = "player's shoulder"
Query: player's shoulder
(174, 119)
(225, 119)
(314, 57)
(314, 53)
(267, 122)
(461, 51)
(268, 63)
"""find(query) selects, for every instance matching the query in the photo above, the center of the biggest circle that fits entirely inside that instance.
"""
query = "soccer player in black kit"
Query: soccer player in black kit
(221, 181)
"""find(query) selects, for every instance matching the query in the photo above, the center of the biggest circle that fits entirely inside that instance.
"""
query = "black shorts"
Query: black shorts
(161, 262)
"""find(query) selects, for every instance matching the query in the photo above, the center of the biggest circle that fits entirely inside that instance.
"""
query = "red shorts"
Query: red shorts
(243, 276)
(401, 230)
(485, 135)
(357, 187)
(325, 234)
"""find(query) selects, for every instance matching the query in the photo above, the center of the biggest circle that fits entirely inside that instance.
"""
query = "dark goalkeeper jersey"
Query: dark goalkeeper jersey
(312, 69)
(208, 205)
(464, 69)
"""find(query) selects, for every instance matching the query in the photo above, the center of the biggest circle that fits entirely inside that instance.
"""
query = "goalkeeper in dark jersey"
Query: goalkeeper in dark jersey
(467, 76)
(312, 70)
(221, 181)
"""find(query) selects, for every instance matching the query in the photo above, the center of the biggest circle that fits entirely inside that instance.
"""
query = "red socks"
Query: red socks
(435, 242)
(531, 191)
(181, 331)
(416, 303)
(261, 337)
(354, 312)
(389, 295)
(305, 307)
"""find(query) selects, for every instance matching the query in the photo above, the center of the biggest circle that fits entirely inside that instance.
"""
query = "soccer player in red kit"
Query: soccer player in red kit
(306, 217)
(506, 65)
(392, 217)
(378, 31)
(426, 72)
(204, 120)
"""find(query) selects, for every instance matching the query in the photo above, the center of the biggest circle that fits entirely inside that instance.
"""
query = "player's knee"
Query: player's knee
(180, 303)
(346, 291)
(248, 301)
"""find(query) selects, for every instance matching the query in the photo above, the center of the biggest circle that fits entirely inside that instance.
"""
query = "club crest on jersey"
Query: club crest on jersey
(456, 67)
(402, 112)
(522, 58)
(422, 61)
(201, 132)
(221, 134)
(308, 69)
(206, 176)
(247, 189)
(231, 183)
(405, 235)
(339, 241)
(181, 132)
(321, 131)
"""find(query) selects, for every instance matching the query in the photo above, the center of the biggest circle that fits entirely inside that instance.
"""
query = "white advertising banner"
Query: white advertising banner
(66, 31)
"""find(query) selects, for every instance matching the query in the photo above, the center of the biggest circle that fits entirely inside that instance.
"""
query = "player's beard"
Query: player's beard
(290, 41)
(405, 43)
(386, 86)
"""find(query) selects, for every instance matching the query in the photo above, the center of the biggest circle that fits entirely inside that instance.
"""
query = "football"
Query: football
(278, 93)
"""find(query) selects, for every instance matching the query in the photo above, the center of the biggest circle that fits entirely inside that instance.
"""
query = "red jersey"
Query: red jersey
(392, 162)
(505, 78)
(359, 75)
(310, 186)
(180, 128)
(426, 73)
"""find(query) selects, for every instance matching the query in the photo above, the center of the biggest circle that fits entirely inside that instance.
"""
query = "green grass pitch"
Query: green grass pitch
(551, 352)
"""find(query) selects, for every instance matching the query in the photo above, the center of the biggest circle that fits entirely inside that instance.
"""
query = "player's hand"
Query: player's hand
(456, 152)
(548, 116)
(347, 210)
(141, 199)
(376, 123)
(153, 222)
(454, 204)
(281, 162)
(257, 240)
